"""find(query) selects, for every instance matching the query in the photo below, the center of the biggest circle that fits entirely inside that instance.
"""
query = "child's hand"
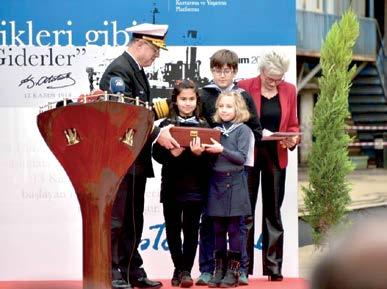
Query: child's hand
(177, 151)
(215, 147)
(196, 146)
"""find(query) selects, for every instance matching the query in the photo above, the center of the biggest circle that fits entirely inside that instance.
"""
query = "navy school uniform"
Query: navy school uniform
(184, 187)
(228, 195)
(183, 178)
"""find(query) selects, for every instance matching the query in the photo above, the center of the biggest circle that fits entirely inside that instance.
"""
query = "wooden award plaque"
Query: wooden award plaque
(183, 135)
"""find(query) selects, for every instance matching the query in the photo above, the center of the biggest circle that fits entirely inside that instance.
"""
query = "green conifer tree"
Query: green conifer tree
(327, 195)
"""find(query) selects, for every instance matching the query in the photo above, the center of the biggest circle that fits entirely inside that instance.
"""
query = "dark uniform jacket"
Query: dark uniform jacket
(136, 84)
(183, 178)
(228, 195)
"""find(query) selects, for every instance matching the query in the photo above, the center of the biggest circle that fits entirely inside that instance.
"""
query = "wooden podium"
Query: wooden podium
(96, 143)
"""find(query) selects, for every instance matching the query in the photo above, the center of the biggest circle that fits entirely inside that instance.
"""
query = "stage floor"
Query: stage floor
(287, 283)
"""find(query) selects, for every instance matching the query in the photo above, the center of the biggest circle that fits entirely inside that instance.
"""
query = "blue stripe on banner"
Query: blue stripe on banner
(192, 22)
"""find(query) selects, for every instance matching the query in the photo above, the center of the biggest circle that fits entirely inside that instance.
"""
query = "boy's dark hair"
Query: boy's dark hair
(177, 89)
(224, 57)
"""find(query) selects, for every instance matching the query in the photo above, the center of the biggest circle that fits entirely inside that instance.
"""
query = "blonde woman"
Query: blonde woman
(276, 103)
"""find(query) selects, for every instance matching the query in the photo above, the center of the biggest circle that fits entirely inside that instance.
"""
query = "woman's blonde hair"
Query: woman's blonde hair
(274, 62)
(242, 114)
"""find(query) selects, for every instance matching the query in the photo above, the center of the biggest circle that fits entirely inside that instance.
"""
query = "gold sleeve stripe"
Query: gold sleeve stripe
(158, 110)
(161, 107)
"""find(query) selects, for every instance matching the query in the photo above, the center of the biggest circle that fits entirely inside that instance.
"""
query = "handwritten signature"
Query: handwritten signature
(59, 80)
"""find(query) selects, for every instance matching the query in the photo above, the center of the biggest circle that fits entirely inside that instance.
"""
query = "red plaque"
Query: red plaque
(183, 135)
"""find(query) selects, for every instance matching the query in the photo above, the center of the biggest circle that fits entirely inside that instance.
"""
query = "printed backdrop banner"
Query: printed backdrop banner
(48, 50)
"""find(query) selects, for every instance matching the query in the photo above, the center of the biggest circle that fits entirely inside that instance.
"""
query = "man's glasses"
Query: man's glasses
(155, 49)
(225, 72)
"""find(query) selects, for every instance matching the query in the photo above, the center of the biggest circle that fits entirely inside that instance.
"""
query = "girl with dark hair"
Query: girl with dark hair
(184, 182)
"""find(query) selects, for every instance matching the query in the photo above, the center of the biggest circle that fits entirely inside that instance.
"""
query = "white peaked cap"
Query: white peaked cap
(153, 33)
(149, 29)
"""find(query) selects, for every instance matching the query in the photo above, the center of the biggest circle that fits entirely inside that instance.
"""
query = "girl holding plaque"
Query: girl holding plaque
(228, 198)
(184, 182)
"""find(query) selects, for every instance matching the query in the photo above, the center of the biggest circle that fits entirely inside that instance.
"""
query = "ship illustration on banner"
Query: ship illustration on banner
(163, 78)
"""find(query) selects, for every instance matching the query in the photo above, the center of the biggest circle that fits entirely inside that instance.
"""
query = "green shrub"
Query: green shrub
(327, 195)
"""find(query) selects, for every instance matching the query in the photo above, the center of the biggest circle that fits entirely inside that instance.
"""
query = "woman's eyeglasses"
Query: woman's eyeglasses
(273, 80)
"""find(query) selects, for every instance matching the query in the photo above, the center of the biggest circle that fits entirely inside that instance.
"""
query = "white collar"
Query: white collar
(187, 120)
(231, 87)
(227, 131)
